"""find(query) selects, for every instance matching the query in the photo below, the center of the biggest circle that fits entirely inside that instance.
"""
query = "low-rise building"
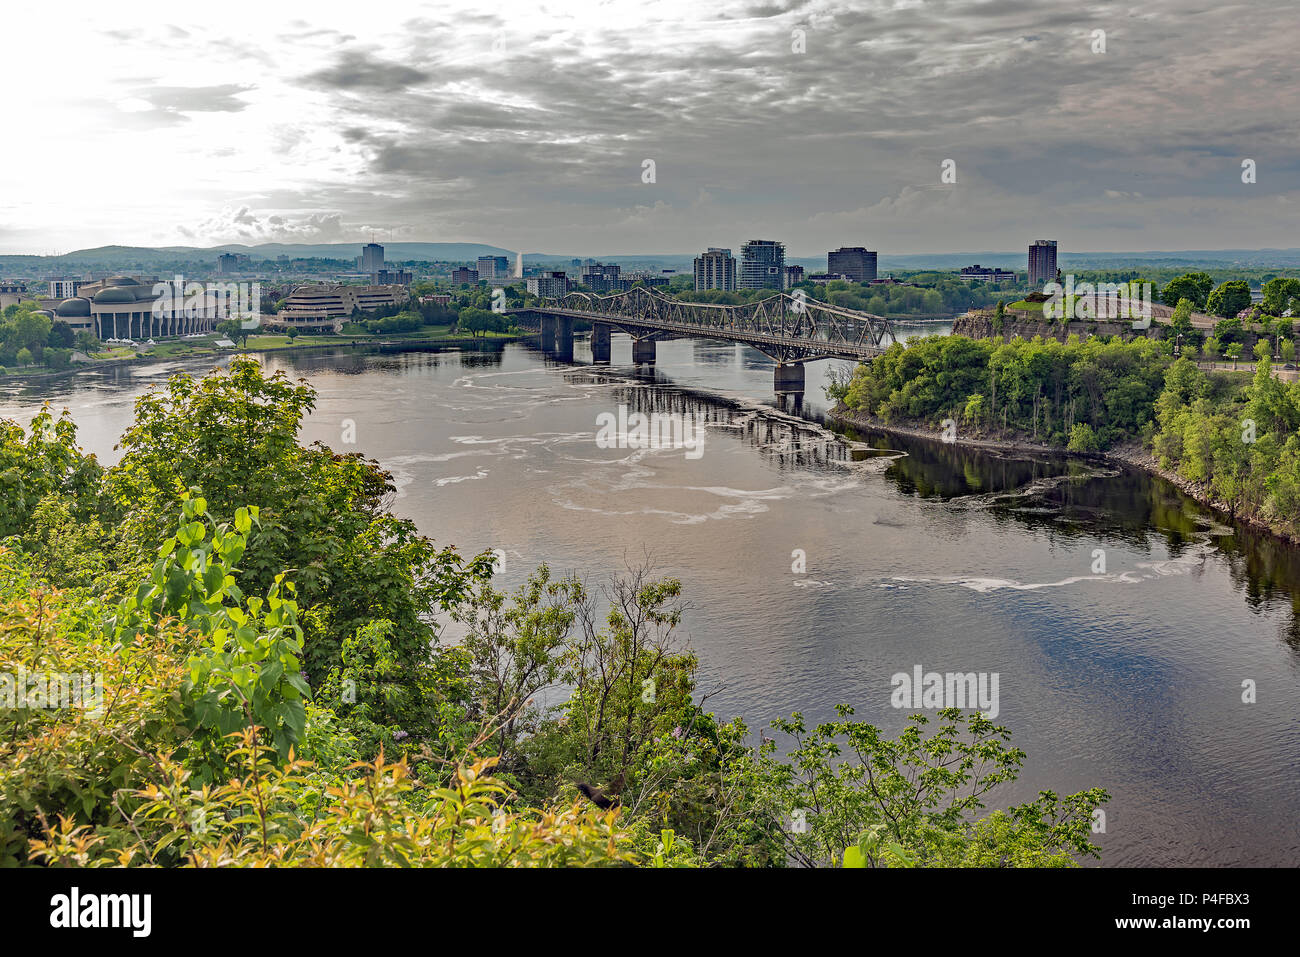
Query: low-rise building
(63, 288)
(328, 305)
(130, 307)
(978, 273)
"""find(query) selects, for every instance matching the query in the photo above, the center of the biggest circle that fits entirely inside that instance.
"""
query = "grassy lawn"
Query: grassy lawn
(1023, 306)
(117, 352)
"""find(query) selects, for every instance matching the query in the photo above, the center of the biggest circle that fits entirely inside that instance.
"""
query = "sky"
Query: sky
(529, 125)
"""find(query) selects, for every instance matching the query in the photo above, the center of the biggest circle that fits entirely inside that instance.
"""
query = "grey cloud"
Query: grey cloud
(357, 70)
(195, 99)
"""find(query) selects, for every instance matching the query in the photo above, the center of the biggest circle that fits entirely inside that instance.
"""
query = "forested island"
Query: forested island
(1229, 438)
(227, 650)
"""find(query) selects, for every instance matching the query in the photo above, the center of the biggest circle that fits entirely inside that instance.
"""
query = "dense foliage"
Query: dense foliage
(274, 688)
(1234, 436)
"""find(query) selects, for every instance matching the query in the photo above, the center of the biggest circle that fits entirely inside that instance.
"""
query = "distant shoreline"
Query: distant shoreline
(26, 379)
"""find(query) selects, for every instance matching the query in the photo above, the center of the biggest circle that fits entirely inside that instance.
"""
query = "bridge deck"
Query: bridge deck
(818, 348)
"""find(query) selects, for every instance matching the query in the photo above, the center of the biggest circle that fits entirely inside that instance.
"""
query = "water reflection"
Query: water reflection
(1079, 500)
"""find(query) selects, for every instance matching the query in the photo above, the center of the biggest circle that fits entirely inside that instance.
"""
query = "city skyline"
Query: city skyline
(470, 123)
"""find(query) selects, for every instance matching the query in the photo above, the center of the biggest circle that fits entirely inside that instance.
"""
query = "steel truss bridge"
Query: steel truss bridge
(791, 329)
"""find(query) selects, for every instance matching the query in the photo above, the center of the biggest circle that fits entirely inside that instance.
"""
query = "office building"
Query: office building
(602, 277)
(856, 262)
(978, 273)
(393, 277)
(328, 305)
(372, 258)
(1042, 261)
(64, 288)
(549, 285)
(493, 267)
(715, 269)
(762, 265)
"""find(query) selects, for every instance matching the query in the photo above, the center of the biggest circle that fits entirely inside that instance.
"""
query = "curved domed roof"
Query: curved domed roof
(45, 312)
(115, 294)
(73, 308)
(121, 281)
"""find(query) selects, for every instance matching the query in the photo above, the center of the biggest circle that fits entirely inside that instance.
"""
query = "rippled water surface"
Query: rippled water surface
(917, 553)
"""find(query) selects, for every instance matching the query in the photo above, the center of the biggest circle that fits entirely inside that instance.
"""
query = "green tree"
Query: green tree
(233, 330)
(1181, 320)
(233, 434)
(918, 795)
(1229, 298)
(1193, 286)
(1278, 293)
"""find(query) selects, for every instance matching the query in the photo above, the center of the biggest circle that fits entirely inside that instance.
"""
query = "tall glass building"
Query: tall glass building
(762, 265)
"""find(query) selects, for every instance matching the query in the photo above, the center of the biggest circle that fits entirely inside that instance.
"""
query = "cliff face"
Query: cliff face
(979, 325)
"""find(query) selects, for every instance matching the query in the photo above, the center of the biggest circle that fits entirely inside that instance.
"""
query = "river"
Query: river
(915, 554)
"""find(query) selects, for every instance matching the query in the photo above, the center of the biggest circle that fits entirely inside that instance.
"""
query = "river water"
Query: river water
(914, 553)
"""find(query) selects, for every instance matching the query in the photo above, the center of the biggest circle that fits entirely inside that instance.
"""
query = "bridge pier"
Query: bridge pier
(788, 377)
(564, 337)
(548, 333)
(643, 352)
(600, 348)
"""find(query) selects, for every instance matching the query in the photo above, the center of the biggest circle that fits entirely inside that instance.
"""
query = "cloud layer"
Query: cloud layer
(819, 123)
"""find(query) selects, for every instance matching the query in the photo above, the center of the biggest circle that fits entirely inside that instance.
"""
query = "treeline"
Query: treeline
(1235, 437)
(28, 337)
(274, 690)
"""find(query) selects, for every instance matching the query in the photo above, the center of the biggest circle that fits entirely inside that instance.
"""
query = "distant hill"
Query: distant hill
(129, 258)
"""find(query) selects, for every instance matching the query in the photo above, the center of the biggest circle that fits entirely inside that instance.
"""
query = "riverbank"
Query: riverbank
(1131, 455)
(27, 380)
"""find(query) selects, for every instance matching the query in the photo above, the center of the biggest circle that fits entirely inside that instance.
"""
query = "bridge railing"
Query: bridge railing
(782, 315)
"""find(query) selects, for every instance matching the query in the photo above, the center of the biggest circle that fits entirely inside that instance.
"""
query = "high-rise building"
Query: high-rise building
(715, 269)
(551, 285)
(793, 276)
(856, 262)
(372, 257)
(762, 264)
(493, 267)
(463, 275)
(1042, 261)
(601, 277)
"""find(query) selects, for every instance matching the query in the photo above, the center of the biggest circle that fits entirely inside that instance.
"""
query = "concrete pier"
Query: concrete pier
(600, 348)
(788, 378)
(564, 337)
(643, 351)
(548, 333)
